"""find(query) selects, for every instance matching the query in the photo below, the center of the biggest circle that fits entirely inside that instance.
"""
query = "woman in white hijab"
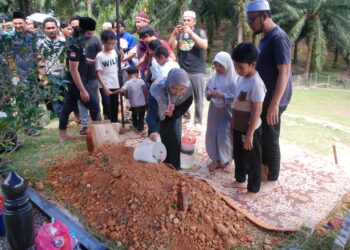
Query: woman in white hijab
(169, 101)
(220, 92)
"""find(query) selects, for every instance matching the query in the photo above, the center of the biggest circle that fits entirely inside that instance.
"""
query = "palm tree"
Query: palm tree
(318, 21)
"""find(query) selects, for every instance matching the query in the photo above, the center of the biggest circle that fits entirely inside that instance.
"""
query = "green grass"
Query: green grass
(312, 119)
(41, 152)
(324, 104)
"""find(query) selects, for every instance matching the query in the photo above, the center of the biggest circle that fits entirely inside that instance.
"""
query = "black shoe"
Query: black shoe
(83, 130)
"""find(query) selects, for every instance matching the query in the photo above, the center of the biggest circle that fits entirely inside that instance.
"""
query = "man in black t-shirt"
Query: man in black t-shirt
(94, 46)
(77, 76)
(274, 67)
(191, 43)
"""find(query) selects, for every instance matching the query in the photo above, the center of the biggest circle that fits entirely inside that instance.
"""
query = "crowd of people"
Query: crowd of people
(248, 92)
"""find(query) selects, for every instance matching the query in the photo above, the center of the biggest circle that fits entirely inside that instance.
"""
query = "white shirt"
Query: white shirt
(162, 71)
(108, 64)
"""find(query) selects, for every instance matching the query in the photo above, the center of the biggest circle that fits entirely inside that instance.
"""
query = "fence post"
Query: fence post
(298, 80)
(329, 77)
(335, 154)
(316, 80)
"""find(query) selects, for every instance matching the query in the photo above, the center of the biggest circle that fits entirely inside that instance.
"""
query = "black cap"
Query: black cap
(18, 14)
(87, 23)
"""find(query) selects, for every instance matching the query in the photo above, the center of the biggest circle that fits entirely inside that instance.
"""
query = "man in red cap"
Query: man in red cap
(142, 20)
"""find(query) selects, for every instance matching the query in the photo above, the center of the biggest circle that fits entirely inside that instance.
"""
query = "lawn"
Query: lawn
(316, 119)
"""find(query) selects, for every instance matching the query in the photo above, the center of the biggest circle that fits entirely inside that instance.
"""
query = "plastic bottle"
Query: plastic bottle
(89, 141)
(17, 213)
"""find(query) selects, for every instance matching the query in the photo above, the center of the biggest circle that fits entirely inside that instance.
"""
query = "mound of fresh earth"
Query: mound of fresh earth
(135, 203)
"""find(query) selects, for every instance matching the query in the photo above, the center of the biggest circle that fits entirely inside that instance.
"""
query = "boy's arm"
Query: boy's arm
(254, 119)
(103, 84)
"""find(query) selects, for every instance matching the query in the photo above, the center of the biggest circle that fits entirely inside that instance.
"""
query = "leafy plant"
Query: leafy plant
(20, 91)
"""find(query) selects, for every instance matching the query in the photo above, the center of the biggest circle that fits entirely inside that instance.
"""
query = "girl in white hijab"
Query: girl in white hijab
(220, 92)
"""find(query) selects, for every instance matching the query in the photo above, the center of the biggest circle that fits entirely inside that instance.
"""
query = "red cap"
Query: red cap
(143, 17)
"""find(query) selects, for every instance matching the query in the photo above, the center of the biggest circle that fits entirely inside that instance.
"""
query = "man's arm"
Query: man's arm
(73, 68)
(172, 40)
(199, 41)
(132, 54)
(281, 84)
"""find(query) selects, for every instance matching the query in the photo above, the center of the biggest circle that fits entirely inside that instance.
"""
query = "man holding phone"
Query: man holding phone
(190, 43)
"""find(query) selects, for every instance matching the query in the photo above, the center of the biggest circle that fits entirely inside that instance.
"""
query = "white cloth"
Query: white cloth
(134, 87)
(160, 72)
(108, 64)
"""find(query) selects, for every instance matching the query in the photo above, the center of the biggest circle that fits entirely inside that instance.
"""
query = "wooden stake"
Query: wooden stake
(335, 154)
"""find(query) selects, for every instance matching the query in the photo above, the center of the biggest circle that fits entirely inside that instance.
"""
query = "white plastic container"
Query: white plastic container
(186, 160)
(188, 144)
(154, 152)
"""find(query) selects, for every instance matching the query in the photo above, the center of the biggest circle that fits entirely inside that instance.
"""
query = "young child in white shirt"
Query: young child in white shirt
(107, 74)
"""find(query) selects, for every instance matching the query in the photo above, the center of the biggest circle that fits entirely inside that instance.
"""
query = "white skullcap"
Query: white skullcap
(107, 25)
(258, 5)
(190, 13)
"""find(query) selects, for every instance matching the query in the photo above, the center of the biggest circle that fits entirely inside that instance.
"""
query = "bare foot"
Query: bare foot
(63, 136)
(268, 186)
(213, 166)
(228, 168)
(264, 173)
(248, 196)
(235, 184)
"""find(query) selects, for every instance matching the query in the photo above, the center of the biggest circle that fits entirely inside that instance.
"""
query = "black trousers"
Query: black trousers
(170, 131)
(110, 105)
(138, 117)
(248, 162)
(70, 101)
(271, 154)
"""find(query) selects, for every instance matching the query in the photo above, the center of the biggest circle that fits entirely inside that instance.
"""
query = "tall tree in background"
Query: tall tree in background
(319, 21)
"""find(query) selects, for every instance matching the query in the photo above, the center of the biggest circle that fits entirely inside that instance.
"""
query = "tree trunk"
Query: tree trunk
(24, 6)
(295, 56)
(210, 31)
(309, 55)
(336, 55)
(240, 28)
(89, 7)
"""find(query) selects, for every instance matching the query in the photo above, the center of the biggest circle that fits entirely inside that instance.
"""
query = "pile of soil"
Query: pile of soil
(135, 203)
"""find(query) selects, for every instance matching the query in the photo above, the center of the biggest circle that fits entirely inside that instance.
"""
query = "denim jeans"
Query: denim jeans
(92, 85)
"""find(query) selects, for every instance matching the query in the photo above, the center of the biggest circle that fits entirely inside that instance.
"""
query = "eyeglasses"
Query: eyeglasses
(251, 19)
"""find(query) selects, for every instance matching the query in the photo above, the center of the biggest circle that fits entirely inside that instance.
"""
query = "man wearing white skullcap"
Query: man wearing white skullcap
(274, 67)
(191, 43)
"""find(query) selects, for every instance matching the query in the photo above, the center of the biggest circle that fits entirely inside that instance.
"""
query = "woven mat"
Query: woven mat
(309, 187)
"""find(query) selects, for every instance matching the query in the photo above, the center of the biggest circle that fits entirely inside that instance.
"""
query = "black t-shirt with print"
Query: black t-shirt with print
(191, 57)
(77, 53)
